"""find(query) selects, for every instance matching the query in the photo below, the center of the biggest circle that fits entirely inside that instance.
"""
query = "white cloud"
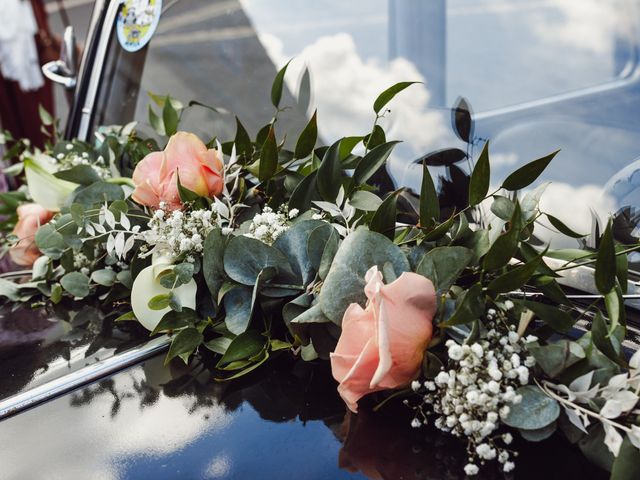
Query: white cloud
(573, 206)
(344, 87)
(166, 427)
(586, 24)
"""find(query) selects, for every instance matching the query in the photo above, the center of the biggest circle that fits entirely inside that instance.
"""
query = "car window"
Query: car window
(540, 75)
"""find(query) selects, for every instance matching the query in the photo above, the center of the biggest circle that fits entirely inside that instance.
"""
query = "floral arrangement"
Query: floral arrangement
(247, 250)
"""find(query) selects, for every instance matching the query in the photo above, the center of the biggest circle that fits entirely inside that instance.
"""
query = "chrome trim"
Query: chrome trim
(83, 376)
(95, 77)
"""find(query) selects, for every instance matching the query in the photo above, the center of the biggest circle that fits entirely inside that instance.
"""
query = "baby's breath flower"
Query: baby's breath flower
(269, 225)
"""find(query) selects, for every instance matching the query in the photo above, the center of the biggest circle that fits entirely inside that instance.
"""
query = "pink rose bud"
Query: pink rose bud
(30, 217)
(156, 176)
(382, 346)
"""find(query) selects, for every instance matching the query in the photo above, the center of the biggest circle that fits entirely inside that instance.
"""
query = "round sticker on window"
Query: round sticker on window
(137, 21)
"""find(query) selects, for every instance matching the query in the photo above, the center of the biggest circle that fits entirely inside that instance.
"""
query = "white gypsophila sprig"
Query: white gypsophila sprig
(269, 225)
(476, 389)
(618, 398)
(178, 233)
(71, 158)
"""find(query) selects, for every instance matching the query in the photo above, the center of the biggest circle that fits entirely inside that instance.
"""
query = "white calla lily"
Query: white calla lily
(45, 189)
(147, 285)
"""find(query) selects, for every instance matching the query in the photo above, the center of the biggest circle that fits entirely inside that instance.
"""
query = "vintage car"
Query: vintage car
(84, 397)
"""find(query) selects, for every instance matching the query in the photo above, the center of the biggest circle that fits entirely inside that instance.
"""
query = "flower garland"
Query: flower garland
(249, 250)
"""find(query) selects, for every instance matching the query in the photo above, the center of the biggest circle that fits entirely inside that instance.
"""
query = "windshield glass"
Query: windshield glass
(539, 75)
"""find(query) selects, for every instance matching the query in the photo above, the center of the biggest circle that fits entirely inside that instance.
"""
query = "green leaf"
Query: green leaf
(238, 303)
(540, 434)
(294, 243)
(347, 144)
(502, 207)
(242, 140)
(329, 179)
(626, 466)
(276, 87)
(441, 230)
(505, 246)
(45, 117)
(213, 261)
(615, 308)
(50, 241)
(186, 195)
(429, 203)
(514, 278)
(305, 193)
(602, 339)
(480, 178)
(268, 157)
(170, 118)
(307, 139)
(184, 344)
(156, 122)
(76, 283)
(160, 302)
(99, 192)
(173, 320)
(104, 277)
(244, 346)
(219, 345)
(553, 316)
(245, 258)
(443, 265)
(469, 307)
(372, 162)
(556, 357)
(562, 228)
(386, 96)
(345, 282)
(80, 174)
(536, 410)
(384, 219)
(622, 270)
(605, 275)
(9, 290)
(375, 138)
(126, 317)
(365, 201)
(527, 174)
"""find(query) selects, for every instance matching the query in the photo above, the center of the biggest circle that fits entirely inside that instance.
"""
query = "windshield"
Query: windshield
(539, 75)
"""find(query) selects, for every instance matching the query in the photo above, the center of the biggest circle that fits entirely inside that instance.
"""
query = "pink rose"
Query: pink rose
(156, 176)
(30, 217)
(382, 347)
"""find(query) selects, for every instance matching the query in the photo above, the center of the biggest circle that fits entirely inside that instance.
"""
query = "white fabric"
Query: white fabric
(18, 52)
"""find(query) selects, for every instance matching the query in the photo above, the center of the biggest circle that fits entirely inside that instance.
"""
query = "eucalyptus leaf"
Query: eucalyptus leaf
(534, 412)
(76, 283)
(238, 306)
(469, 307)
(213, 261)
(245, 257)
(345, 282)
